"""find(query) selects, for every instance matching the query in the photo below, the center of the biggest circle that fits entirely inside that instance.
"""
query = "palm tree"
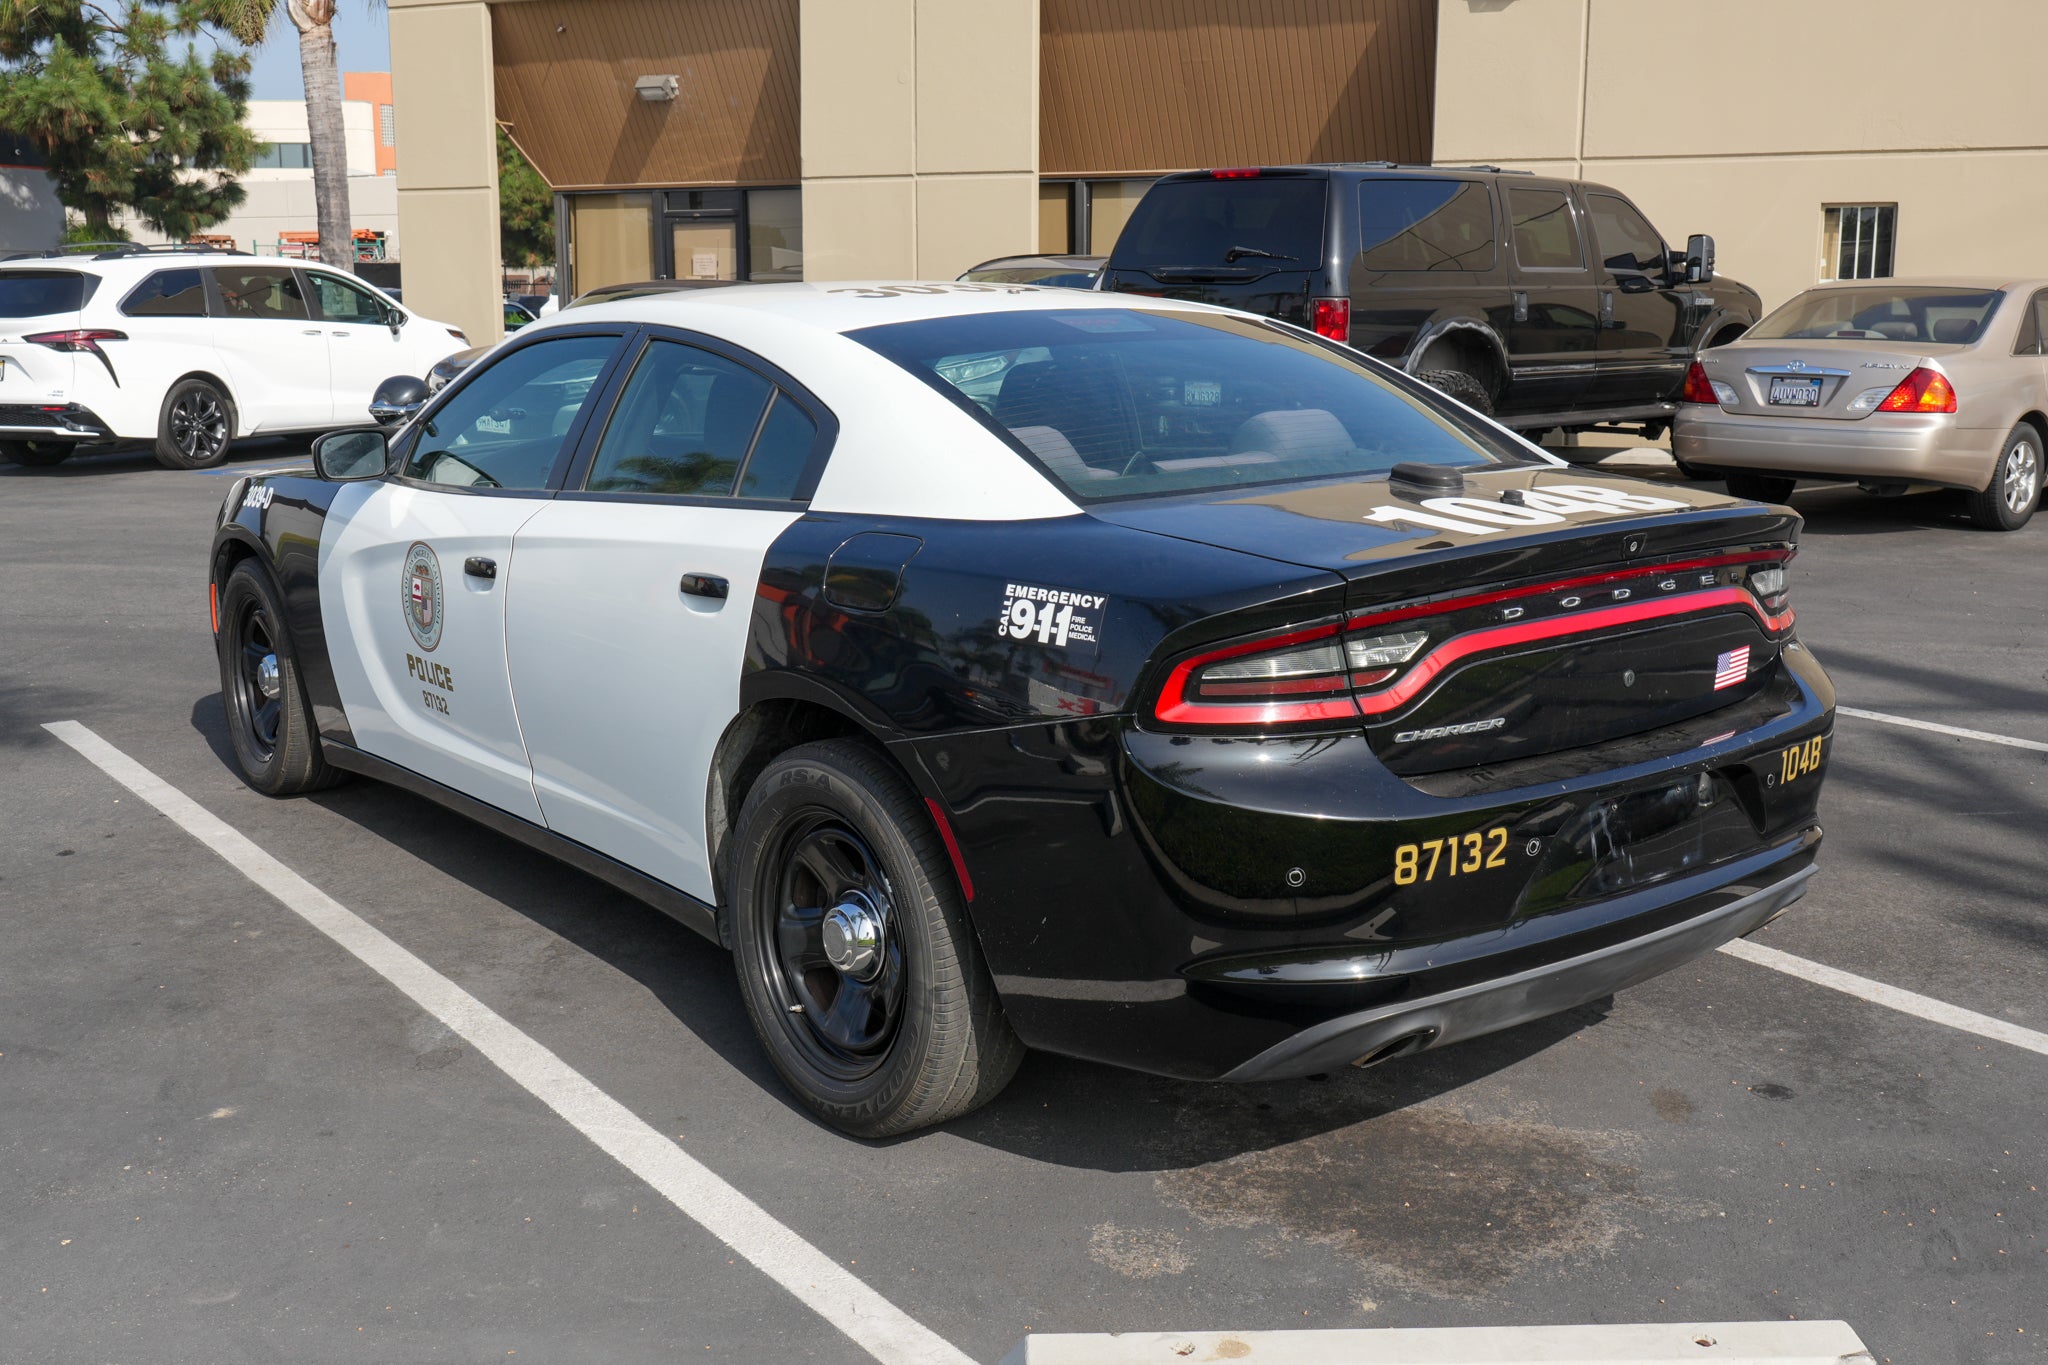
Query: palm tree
(314, 19)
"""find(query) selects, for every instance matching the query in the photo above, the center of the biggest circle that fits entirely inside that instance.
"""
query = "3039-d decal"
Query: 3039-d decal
(1555, 505)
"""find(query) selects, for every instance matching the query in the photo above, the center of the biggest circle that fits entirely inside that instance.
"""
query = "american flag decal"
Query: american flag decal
(1731, 668)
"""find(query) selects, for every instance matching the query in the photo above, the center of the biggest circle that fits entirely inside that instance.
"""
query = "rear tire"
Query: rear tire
(37, 454)
(270, 726)
(1761, 487)
(1464, 387)
(2008, 501)
(880, 1039)
(194, 426)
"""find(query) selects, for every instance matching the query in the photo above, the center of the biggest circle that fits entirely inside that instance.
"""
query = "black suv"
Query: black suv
(1547, 303)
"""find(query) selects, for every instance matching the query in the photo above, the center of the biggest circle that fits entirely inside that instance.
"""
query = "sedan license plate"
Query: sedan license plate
(1795, 393)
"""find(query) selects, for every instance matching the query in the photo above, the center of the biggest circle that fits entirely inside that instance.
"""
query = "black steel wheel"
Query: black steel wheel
(37, 454)
(860, 973)
(195, 426)
(270, 725)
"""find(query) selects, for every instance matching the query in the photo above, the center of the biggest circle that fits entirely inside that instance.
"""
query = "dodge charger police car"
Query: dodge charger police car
(993, 667)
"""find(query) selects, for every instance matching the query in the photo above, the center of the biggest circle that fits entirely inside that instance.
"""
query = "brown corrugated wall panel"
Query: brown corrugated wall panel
(1132, 86)
(565, 87)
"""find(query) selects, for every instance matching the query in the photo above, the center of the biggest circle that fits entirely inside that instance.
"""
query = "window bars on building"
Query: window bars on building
(1856, 241)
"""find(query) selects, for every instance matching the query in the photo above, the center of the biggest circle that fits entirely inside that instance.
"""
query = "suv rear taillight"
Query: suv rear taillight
(1330, 318)
(1924, 390)
(79, 339)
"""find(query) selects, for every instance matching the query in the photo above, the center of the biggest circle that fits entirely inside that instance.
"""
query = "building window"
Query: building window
(1085, 216)
(1055, 217)
(387, 126)
(284, 156)
(775, 234)
(1856, 241)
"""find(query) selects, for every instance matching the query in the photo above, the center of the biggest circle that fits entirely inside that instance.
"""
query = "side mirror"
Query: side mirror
(394, 319)
(341, 456)
(397, 399)
(1699, 259)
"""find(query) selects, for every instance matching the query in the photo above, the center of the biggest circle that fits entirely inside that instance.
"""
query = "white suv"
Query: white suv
(188, 349)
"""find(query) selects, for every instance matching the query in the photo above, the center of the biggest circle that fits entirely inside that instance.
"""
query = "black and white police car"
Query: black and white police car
(991, 667)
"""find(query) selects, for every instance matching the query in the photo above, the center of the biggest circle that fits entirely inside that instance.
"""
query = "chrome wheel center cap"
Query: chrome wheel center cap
(852, 932)
(267, 680)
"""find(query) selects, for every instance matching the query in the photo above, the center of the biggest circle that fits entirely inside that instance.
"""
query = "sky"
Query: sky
(362, 42)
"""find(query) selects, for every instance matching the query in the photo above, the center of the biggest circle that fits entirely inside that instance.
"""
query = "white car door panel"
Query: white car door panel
(363, 350)
(274, 351)
(624, 682)
(424, 682)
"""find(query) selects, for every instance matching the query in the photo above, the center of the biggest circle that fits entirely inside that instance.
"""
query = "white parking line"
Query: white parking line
(878, 1326)
(1891, 997)
(1987, 736)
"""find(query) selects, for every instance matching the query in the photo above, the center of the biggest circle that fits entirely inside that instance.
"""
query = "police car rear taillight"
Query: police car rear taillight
(1770, 587)
(1303, 675)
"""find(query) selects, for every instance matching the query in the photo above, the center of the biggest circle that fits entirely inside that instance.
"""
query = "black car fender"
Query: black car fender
(1473, 331)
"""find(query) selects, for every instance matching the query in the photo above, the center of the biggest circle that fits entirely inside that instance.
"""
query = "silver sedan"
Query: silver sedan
(1891, 383)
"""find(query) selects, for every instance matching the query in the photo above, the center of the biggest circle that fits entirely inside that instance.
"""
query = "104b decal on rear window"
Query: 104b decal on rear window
(1051, 616)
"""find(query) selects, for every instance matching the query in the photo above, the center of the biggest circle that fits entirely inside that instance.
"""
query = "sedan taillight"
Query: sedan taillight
(1303, 675)
(1924, 390)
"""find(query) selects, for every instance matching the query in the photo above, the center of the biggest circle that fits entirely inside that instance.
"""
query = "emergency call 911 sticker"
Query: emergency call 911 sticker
(1051, 616)
(419, 590)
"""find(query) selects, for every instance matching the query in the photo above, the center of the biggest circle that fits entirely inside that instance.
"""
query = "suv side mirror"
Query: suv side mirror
(397, 399)
(1699, 259)
(342, 456)
(394, 319)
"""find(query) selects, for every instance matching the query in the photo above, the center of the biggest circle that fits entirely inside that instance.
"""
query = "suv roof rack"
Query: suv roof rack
(113, 251)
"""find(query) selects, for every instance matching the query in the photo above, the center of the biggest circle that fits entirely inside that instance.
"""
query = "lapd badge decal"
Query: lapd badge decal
(419, 589)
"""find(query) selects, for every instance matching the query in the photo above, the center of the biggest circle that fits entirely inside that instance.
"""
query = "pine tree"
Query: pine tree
(526, 208)
(125, 123)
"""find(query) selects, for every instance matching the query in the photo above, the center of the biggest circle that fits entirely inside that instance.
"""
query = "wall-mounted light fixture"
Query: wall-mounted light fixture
(656, 89)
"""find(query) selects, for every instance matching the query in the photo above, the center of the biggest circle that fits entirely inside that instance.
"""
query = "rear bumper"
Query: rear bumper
(25, 422)
(1891, 447)
(1727, 912)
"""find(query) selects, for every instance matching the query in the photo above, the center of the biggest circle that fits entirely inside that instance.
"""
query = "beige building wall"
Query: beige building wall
(442, 89)
(919, 135)
(1713, 120)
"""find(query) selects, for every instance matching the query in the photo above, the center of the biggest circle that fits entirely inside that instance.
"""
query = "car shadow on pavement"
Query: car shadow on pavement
(1849, 511)
(260, 450)
(1058, 1110)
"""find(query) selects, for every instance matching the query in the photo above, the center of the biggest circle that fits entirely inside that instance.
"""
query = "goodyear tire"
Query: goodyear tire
(1461, 386)
(2008, 501)
(860, 973)
(194, 426)
(36, 454)
(270, 726)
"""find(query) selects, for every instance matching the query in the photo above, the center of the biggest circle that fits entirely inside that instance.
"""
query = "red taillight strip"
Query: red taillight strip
(952, 848)
(1562, 585)
(1174, 707)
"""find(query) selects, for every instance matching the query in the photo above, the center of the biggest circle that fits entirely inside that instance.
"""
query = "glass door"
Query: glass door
(703, 248)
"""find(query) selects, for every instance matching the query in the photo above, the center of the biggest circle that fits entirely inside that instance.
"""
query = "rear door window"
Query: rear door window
(40, 293)
(1258, 221)
(2033, 337)
(1546, 236)
(261, 293)
(1415, 224)
(168, 294)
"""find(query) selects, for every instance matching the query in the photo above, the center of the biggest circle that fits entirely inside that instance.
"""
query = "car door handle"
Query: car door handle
(1521, 297)
(476, 566)
(1606, 308)
(706, 585)
(337, 334)
(311, 332)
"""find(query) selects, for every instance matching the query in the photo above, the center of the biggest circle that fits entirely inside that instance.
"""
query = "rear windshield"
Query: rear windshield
(1123, 402)
(39, 293)
(1882, 313)
(1242, 223)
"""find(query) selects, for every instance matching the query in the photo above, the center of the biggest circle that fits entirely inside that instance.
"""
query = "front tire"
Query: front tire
(194, 426)
(860, 973)
(36, 454)
(2008, 501)
(1761, 487)
(270, 726)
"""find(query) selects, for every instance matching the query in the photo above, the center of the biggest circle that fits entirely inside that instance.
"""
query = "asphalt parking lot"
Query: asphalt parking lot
(225, 1139)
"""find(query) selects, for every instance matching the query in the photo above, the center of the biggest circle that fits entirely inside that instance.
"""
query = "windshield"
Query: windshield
(1123, 402)
(1254, 225)
(1882, 313)
(39, 293)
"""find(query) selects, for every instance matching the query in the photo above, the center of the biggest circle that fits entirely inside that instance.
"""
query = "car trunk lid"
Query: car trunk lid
(1817, 379)
(37, 301)
(1606, 607)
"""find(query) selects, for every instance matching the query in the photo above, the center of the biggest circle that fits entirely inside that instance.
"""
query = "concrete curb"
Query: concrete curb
(1707, 1343)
